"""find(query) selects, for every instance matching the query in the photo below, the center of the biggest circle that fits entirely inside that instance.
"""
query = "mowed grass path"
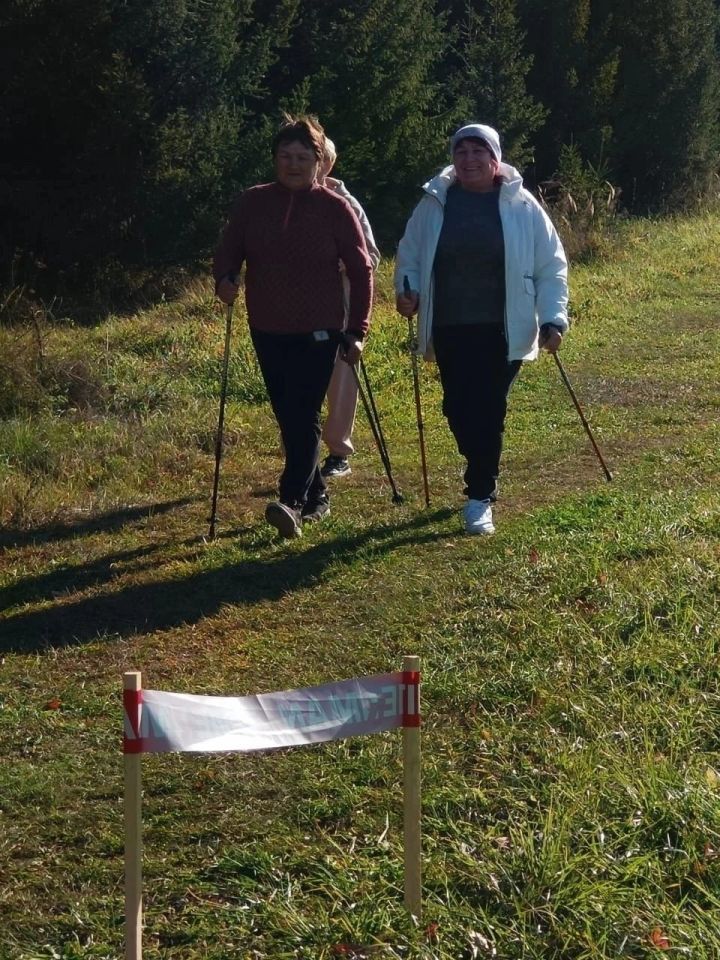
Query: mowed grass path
(570, 664)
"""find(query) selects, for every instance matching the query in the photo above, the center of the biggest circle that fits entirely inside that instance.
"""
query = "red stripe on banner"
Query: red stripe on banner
(411, 698)
(131, 705)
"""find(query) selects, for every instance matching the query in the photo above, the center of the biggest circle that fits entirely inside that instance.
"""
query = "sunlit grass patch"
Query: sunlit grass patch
(570, 663)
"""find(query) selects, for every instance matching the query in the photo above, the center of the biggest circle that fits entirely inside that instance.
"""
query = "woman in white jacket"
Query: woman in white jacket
(487, 277)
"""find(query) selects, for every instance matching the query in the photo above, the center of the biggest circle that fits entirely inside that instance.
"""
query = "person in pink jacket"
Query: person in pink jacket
(342, 395)
(291, 235)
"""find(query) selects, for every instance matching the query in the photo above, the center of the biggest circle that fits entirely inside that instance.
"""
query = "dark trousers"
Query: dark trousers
(476, 378)
(297, 370)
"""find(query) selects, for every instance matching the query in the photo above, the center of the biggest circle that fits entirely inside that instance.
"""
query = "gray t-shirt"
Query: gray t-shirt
(469, 270)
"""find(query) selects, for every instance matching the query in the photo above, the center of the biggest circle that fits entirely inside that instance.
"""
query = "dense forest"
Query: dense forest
(127, 125)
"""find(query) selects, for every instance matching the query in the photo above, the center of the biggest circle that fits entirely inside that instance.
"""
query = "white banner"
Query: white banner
(160, 722)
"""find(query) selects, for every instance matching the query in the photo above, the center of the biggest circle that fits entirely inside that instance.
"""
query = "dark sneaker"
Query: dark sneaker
(312, 512)
(285, 519)
(336, 467)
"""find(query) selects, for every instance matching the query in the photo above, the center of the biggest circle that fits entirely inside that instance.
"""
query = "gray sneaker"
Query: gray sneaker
(335, 467)
(312, 512)
(286, 520)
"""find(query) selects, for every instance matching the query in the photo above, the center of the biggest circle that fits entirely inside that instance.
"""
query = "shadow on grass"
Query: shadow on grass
(102, 523)
(73, 578)
(145, 608)
(70, 579)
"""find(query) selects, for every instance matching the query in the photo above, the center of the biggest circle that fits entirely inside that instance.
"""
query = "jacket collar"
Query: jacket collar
(285, 191)
(439, 185)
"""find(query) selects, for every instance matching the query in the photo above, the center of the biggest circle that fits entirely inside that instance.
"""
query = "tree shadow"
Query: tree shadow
(73, 578)
(99, 523)
(146, 608)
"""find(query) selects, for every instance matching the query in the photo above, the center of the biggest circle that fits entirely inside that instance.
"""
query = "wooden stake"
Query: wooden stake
(132, 681)
(411, 792)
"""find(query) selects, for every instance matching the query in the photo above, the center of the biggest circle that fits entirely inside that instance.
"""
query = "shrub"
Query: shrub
(582, 203)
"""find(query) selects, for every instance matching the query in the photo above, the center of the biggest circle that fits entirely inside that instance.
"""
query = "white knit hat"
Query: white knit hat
(478, 131)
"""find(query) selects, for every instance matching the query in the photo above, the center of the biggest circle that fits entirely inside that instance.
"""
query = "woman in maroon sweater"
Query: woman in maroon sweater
(291, 235)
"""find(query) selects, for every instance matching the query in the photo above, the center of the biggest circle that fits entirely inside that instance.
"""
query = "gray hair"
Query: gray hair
(329, 151)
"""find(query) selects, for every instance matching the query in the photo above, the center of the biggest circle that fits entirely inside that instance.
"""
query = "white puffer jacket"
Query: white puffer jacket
(535, 263)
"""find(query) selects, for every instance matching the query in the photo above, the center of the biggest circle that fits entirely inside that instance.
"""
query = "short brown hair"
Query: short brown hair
(303, 129)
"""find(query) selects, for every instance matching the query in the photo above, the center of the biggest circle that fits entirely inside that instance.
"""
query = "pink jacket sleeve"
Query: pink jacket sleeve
(230, 252)
(358, 269)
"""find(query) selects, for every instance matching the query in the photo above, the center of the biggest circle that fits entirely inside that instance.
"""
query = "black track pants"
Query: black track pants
(297, 370)
(476, 378)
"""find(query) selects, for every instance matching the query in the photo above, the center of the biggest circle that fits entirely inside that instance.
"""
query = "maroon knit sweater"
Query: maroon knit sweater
(292, 242)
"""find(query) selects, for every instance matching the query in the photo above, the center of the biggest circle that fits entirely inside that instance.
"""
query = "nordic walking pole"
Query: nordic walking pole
(418, 406)
(221, 420)
(397, 497)
(377, 434)
(373, 405)
(608, 475)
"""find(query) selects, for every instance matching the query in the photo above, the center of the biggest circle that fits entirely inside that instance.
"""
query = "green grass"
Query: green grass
(571, 764)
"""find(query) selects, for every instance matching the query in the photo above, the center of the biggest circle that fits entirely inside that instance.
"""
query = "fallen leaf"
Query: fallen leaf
(53, 704)
(432, 932)
(659, 939)
(534, 556)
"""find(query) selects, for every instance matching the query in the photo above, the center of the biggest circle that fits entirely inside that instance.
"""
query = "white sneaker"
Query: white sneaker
(478, 517)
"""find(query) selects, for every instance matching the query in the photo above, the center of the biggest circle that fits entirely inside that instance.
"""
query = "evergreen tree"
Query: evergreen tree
(54, 74)
(126, 125)
(490, 75)
(123, 121)
(368, 68)
(667, 107)
(574, 74)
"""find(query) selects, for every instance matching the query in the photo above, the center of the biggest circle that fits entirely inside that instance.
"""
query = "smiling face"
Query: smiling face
(475, 166)
(296, 165)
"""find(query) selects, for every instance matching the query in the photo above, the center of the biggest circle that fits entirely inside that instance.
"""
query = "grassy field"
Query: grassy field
(571, 697)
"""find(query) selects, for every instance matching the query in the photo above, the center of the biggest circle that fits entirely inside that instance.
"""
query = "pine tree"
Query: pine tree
(123, 122)
(368, 68)
(574, 74)
(491, 72)
(667, 108)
